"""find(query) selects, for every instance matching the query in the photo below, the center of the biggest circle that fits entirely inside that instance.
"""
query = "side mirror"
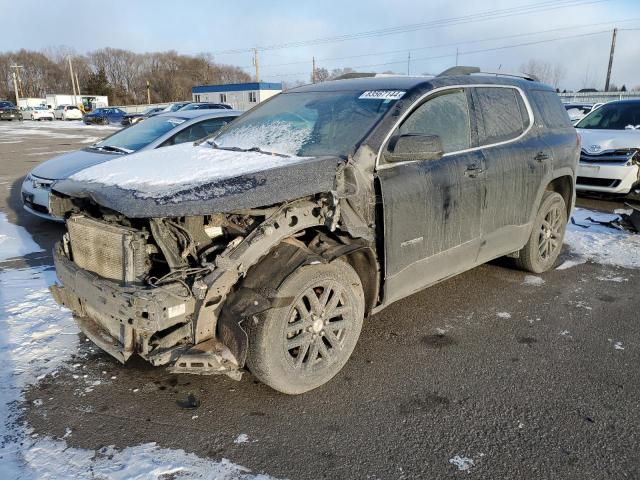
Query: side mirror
(410, 147)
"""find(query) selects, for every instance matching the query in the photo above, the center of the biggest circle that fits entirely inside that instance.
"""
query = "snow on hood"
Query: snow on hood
(67, 164)
(156, 173)
(596, 141)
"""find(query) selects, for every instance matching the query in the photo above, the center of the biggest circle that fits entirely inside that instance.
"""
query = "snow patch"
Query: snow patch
(601, 243)
(15, 241)
(242, 438)
(463, 463)
(275, 136)
(504, 315)
(532, 280)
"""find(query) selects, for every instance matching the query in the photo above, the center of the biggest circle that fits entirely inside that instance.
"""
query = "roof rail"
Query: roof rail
(461, 70)
(458, 71)
(526, 76)
(346, 76)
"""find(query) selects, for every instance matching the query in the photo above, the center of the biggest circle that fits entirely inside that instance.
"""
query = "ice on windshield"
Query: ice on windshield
(308, 123)
(278, 137)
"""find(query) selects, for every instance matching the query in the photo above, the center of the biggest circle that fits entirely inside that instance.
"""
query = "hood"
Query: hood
(67, 164)
(198, 180)
(596, 141)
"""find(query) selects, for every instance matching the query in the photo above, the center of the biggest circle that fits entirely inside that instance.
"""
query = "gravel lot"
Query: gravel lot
(492, 374)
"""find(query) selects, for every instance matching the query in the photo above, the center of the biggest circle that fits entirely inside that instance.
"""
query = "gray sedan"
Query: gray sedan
(159, 131)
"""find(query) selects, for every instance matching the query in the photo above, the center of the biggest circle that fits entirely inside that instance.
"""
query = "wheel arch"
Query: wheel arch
(563, 185)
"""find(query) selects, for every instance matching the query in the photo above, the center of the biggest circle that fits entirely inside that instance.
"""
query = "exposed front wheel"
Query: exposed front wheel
(310, 333)
(544, 245)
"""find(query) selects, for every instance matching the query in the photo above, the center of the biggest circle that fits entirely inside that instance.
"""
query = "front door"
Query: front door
(432, 208)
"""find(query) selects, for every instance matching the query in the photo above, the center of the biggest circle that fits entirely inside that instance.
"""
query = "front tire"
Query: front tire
(310, 333)
(545, 243)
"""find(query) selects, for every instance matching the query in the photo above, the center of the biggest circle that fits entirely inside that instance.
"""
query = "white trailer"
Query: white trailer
(31, 102)
(89, 102)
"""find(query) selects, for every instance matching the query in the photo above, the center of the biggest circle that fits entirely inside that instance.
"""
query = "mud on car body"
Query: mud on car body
(266, 247)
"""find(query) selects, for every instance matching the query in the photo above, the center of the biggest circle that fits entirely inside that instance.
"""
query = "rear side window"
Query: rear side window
(503, 114)
(447, 116)
(553, 113)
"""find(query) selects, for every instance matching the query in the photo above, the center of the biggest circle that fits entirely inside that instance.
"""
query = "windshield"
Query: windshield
(612, 116)
(139, 135)
(308, 124)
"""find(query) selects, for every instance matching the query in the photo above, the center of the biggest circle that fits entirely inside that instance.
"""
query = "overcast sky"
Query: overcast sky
(208, 26)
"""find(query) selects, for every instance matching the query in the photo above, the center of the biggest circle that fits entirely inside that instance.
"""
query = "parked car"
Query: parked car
(577, 111)
(266, 246)
(37, 113)
(610, 157)
(205, 106)
(8, 111)
(104, 116)
(67, 112)
(174, 107)
(160, 131)
(133, 118)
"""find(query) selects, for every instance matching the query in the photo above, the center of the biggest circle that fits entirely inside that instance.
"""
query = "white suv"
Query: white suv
(610, 156)
(67, 112)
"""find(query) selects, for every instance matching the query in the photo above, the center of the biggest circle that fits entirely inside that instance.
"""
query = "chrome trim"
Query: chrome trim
(420, 100)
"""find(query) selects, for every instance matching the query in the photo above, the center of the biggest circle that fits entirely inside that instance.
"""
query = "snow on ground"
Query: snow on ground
(14, 240)
(37, 339)
(157, 173)
(599, 243)
(57, 129)
(463, 463)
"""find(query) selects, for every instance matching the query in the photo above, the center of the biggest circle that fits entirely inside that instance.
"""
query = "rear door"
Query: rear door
(432, 207)
(516, 161)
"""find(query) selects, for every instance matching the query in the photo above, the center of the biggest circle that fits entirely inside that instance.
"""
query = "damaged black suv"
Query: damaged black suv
(267, 246)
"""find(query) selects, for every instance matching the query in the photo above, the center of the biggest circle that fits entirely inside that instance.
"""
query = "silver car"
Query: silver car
(159, 131)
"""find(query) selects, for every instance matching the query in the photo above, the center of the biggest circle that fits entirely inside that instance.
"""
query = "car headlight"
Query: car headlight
(28, 178)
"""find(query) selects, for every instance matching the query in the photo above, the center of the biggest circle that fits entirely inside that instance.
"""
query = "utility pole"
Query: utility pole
(408, 63)
(313, 69)
(149, 93)
(73, 83)
(17, 69)
(456, 56)
(256, 63)
(78, 85)
(613, 47)
(15, 88)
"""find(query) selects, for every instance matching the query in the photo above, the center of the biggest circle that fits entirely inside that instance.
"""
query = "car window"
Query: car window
(447, 116)
(554, 115)
(197, 131)
(612, 116)
(141, 134)
(501, 113)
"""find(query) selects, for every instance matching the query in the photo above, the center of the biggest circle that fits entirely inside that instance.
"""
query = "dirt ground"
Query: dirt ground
(488, 374)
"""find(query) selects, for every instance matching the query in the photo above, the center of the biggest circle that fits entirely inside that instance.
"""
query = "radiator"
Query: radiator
(111, 251)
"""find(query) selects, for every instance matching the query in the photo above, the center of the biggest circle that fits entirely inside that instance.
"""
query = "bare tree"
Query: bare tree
(546, 72)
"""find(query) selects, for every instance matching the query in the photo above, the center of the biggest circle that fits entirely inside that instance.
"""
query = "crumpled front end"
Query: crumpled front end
(102, 270)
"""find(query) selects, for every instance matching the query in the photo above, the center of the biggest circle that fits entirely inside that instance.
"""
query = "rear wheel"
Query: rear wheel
(544, 245)
(309, 335)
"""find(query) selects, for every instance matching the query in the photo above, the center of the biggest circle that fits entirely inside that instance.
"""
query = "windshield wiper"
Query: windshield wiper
(111, 148)
(252, 149)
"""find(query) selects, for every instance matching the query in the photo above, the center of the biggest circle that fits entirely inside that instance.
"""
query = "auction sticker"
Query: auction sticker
(382, 94)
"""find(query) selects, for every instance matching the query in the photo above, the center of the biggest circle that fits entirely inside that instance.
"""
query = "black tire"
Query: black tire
(545, 243)
(309, 335)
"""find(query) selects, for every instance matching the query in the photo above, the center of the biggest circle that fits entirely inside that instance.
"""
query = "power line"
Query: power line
(468, 52)
(480, 16)
(442, 45)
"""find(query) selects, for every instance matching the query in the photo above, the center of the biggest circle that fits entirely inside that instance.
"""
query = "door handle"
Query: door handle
(473, 171)
(541, 157)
